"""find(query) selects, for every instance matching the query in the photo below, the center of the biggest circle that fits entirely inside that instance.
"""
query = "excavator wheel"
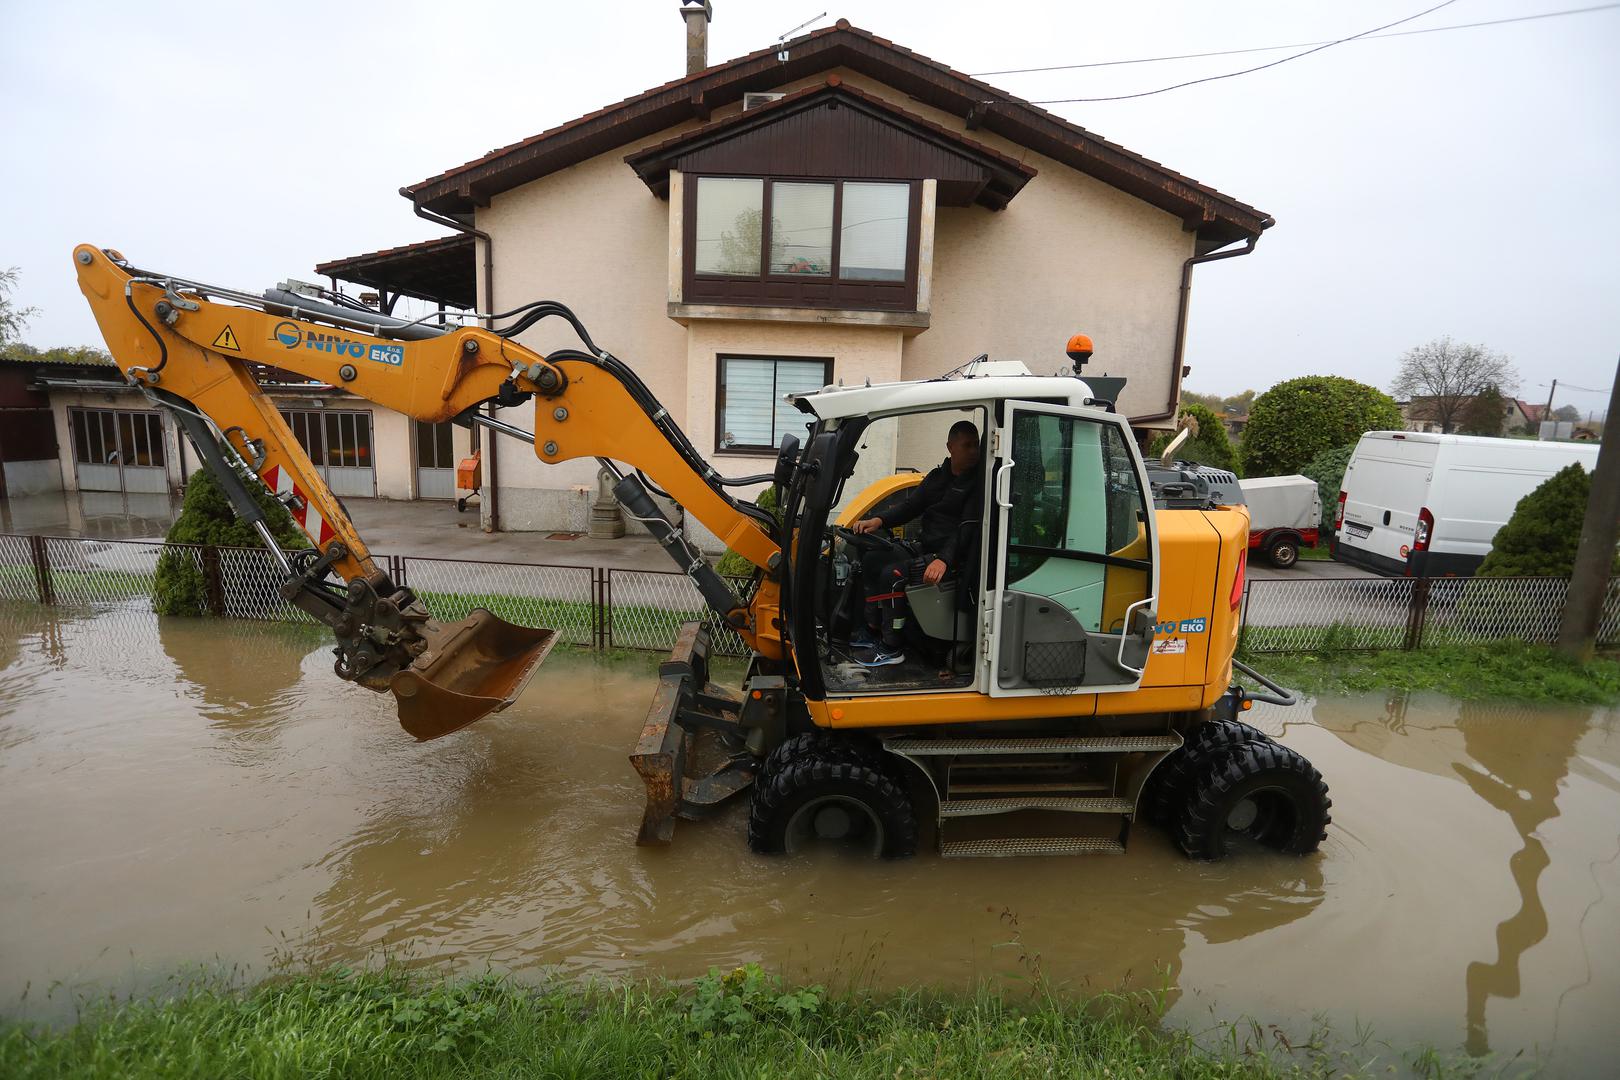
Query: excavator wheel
(1167, 789)
(820, 796)
(816, 745)
(1263, 791)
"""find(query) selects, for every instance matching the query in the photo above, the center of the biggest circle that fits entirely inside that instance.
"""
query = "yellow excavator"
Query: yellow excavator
(1072, 671)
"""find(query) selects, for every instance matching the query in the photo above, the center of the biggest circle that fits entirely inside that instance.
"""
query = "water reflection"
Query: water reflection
(187, 789)
(107, 515)
(1517, 767)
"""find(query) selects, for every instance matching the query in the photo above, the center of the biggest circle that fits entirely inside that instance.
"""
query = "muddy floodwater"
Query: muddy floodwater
(176, 793)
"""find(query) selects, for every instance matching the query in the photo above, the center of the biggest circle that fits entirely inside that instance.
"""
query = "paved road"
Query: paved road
(1260, 570)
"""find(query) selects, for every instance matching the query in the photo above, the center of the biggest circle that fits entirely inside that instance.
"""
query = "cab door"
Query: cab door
(1074, 603)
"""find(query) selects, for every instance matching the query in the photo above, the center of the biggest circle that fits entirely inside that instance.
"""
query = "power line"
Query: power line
(1248, 71)
(1296, 45)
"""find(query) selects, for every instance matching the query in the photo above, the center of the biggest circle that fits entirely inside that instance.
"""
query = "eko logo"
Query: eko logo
(292, 336)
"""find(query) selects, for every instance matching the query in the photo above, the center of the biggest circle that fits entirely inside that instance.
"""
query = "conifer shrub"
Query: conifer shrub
(206, 517)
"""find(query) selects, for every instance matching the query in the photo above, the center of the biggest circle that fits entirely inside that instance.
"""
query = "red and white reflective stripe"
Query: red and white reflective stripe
(303, 508)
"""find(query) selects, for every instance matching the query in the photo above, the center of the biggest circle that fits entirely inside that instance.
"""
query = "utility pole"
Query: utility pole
(1546, 414)
(1589, 582)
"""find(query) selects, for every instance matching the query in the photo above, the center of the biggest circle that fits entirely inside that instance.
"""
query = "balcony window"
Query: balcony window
(750, 413)
(802, 243)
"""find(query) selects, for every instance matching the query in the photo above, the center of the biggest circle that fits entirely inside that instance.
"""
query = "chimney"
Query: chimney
(697, 14)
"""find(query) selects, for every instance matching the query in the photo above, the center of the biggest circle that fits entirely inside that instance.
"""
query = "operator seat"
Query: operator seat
(944, 612)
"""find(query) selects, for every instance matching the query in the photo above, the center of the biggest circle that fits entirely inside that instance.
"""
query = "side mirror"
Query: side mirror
(787, 459)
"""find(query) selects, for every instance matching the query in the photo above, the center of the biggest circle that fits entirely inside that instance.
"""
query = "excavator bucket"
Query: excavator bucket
(471, 668)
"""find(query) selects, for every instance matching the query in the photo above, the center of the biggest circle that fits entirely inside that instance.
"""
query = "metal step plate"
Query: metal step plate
(981, 807)
(1109, 744)
(1072, 789)
(1050, 845)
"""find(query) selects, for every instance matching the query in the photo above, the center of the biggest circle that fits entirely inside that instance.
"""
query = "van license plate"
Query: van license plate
(1360, 532)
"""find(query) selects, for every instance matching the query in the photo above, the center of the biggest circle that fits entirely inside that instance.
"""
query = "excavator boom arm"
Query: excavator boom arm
(190, 346)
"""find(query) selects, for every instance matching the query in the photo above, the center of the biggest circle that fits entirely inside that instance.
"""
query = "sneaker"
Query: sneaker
(884, 656)
(862, 639)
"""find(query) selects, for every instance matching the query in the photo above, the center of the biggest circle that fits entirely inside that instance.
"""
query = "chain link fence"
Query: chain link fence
(644, 609)
(564, 598)
(1337, 614)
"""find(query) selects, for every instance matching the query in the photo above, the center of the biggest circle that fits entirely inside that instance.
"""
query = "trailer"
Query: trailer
(1285, 513)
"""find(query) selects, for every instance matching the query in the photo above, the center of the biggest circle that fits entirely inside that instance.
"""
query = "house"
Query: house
(1422, 414)
(833, 209)
(73, 423)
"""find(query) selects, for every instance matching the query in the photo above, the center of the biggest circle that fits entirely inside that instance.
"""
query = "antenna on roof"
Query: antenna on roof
(783, 54)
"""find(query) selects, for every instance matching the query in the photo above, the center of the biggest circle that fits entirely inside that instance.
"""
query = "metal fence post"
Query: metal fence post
(1417, 609)
(213, 586)
(1243, 623)
(598, 608)
(607, 608)
(42, 569)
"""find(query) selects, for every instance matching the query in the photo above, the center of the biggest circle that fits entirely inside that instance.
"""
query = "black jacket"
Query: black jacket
(943, 500)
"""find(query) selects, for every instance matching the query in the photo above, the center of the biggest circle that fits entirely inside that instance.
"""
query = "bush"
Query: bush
(1209, 447)
(206, 517)
(1296, 420)
(1327, 469)
(1541, 537)
(732, 564)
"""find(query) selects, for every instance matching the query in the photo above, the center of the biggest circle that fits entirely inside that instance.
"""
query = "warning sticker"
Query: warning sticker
(227, 340)
(1170, 647)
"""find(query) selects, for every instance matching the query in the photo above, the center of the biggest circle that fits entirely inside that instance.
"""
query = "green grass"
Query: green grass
(746, 1024)
(1500, 671)
(1319, 553)
(633, 625)
(73, 586)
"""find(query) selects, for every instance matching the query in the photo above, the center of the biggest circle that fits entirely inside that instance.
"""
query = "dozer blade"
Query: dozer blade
(471, 668)
(690, 754)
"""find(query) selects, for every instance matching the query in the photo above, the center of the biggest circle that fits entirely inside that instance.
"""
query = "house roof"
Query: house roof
(441, 271)
(831, 129)
(1216, 218)
(88, 357)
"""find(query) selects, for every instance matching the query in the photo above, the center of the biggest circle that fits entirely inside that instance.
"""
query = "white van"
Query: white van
(1423, 505)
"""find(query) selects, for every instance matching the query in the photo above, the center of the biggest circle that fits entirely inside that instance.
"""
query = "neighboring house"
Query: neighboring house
(71, 426)
(1235, 423)
(834, 209)
(1420, 414)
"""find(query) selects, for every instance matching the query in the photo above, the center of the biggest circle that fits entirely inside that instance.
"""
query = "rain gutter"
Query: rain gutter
(494, 493)
(1178, 359)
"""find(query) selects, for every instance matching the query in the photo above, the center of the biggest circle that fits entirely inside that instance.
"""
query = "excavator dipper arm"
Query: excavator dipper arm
(189, 347)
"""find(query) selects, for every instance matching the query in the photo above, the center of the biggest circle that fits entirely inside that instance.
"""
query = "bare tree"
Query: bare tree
(1443, 377)
(12, 318)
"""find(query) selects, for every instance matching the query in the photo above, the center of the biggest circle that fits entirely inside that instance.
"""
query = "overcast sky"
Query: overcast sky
(1461, 183)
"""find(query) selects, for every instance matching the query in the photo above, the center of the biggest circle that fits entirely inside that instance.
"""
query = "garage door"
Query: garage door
(339, 442)
(118, 450)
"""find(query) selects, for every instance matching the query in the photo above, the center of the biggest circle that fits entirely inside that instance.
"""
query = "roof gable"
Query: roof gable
(834, 130)
(1218, 219)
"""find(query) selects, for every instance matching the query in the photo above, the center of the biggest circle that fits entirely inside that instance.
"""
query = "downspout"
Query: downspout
(1179, 357)
(494, 489)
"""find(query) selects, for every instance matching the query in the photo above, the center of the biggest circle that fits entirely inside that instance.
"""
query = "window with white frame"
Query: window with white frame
(751, 413)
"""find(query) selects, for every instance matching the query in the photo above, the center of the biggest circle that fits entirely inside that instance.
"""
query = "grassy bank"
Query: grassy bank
(389, 1024)
(1501, 671)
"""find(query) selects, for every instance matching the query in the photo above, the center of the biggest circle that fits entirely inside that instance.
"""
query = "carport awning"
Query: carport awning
(441, 271)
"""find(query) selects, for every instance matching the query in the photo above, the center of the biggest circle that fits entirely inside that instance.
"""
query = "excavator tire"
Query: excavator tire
(1263, 791)
(822, 797)
(819, 746)
(1167, 789)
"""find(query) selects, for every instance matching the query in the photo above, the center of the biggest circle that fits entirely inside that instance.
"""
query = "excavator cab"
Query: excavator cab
(1052, 587)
